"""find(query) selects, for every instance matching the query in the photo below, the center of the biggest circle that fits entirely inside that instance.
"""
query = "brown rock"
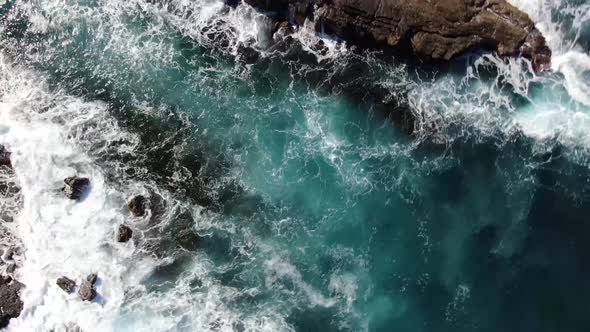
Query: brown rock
(86, 291)
(439, 29)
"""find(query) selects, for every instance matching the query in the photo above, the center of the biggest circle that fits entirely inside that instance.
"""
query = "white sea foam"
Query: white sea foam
(277, 269)
(452, 103)
(60, 236)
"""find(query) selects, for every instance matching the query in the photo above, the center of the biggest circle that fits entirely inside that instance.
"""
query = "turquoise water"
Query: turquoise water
(319, 209)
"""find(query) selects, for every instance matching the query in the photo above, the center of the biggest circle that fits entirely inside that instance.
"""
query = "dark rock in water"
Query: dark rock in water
(76, 187)
(124, 233)
(10, 302)
(66, 284)
(282, 28)
(137, 205)
(86, 291)
(188, 239)
(247, 54)
(91, 278)
(534, 46)
(5, 157)
(301, 10)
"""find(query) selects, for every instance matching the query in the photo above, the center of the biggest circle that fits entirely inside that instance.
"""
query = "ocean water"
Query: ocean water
(285, 192)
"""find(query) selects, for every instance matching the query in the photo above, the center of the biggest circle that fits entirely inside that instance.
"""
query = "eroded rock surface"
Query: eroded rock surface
(441, 29)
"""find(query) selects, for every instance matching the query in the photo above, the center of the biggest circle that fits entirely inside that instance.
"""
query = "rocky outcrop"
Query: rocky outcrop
(68, 285)
(124, 233)
(441, 29)
(10, 302)
(76, 187)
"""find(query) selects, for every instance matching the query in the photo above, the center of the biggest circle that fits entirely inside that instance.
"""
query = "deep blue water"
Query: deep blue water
(325, 211)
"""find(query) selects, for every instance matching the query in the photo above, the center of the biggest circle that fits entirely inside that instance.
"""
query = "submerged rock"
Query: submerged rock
(76, 187)
(86, 291)
(5, 157)
(67, 284)
(137, 205)
(10, 302)
(72, 327)
(91, 278)
(247, 54)
(124, 234)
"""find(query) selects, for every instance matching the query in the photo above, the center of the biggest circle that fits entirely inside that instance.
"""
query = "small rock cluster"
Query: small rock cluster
(138, 206)
(75, 188)
(86, 290)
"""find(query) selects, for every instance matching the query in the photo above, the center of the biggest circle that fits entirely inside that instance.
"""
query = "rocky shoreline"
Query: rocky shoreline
(440, 30)
(75, 188)
(10, 303)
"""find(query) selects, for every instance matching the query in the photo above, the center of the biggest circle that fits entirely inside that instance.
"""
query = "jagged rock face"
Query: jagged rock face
(438, 29)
